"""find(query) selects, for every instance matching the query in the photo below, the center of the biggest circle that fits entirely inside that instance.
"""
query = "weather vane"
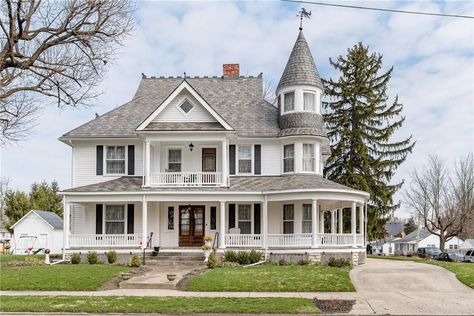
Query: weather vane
(303, 14)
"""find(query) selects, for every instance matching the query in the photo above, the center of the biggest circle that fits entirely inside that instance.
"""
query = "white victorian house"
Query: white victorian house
(195, 156)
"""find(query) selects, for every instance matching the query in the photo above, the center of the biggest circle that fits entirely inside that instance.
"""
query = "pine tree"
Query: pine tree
(361, 123)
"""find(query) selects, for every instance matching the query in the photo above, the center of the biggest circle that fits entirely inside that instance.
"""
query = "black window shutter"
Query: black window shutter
(131, 160)
(256, 218)
(231, 159)
(98, 218)
(231, 216)
(130, 218)
(257, 168)
(100, 160)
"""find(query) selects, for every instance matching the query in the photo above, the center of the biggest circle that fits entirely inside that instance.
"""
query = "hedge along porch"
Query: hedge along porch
(279, 222)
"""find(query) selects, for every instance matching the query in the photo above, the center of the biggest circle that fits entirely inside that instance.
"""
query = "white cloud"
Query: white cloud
(433, 75)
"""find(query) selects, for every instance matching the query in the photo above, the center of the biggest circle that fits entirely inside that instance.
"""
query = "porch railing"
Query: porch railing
(105, 240)
(336, 239)
(243, 240)
(186, 178)
(289, 240)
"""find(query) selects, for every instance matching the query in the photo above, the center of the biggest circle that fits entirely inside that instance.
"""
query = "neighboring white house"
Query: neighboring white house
(386, 246)
(466, 245)
(423, 238)
(194, 156)
(38, 229)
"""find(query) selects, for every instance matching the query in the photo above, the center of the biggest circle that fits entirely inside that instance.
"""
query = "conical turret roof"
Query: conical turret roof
(300, 68)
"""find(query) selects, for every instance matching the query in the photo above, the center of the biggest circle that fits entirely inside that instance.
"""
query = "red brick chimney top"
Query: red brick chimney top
(231, 70)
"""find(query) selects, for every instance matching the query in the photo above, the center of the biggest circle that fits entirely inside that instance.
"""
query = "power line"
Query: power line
(381, 9)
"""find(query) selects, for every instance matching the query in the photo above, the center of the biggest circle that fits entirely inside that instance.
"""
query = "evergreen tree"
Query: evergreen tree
(361, 123)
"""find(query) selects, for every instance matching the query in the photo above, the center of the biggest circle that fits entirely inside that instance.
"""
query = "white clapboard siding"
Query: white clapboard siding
(84, 157)
(172, 114)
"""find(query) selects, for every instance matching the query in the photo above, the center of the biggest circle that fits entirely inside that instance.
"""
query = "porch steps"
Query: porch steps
(177, 259)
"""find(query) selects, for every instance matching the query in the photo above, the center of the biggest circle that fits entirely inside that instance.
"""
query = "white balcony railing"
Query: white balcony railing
(186, 178)
(105, 240)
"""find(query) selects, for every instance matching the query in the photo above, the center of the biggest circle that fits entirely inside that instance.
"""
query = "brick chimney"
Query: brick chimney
(231, 70)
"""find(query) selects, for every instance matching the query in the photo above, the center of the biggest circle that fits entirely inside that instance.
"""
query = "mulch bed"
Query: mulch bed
(334, 306)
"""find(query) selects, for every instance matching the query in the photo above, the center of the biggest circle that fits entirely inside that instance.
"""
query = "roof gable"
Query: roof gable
(169, 110)
(50, 218)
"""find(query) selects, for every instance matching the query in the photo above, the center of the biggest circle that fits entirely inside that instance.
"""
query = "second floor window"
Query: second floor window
(289, 102)
(245, 158)
(289, 158)
(309, 101)
(174, 160)
(115, 160)
(308, 157)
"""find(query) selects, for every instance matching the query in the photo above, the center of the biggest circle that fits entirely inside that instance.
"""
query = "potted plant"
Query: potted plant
(207, 251)
(171, 276)
(208, 240)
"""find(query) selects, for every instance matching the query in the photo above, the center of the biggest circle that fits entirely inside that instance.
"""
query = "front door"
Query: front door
(191, 226)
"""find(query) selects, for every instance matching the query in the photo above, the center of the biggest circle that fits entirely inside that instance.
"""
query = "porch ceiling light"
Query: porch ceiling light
(191, 147)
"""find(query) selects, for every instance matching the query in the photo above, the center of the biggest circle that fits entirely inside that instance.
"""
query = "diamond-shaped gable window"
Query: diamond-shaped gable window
(186, 106)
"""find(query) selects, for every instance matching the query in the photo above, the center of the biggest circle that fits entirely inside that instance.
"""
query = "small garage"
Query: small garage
(38, 230)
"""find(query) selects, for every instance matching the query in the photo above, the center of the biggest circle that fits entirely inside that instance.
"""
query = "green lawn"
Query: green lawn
(175, 305)
(273, 278)
(61, 277)
(9, 258)
(463, 271)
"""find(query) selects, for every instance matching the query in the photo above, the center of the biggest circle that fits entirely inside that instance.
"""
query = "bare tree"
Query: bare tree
(57, 50)
(269, 92)
(441, 199)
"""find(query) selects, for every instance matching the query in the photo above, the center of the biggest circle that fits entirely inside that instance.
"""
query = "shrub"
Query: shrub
(92, 257)
(282, 262)
(303, 262)
(75, 258)
(111, 257)
(135, 262)
(230, 256)
(243, 258)
(255, 256)
(339, 263)
(212, 261)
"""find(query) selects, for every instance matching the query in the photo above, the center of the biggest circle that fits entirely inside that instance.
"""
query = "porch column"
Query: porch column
(222, 225)
(341, 221)
(224, 163)
(147, 163)
(265, 224)
(158, 224)
(314, 223)
(66, 225)
(353, 223)
(144, 222)
(321, 222)
(333, 221)
(361, 219)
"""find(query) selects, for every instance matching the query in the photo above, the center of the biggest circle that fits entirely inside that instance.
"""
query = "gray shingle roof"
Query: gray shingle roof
(300, 68)
(241, 184)
(51, 218)
(393, 228)
(414, 236)
(229, 97)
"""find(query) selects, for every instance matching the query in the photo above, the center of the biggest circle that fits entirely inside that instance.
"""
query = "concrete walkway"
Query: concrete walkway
(384, 287)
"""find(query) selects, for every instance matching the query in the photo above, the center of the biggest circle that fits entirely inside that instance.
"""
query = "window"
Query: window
(245, 219)
(307, 227)
(174, 160)
(453, 247)
(115, 219)
(289, 102)
(213, 218)
(170, 217)
(308, 157)
(115, 160)
(288, 218)
(289, 158)
(245, 158)
(186, 106)
(309, 101)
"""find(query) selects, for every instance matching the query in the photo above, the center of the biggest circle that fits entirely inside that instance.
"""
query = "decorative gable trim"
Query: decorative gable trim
(28, 214)
(173, 95)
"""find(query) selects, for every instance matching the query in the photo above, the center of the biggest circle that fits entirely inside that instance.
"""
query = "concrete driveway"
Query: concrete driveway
(408, 288)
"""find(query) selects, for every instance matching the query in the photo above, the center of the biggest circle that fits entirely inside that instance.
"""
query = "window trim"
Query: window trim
(104, 220)
(237, 170)
(167, 166)
(303, 158)
(314, 99)
(283, 158)
(105, 173)
(181, 103)
(287, 220)
(294, 101)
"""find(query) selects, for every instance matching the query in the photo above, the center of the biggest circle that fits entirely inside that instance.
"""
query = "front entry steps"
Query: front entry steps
(180, 263)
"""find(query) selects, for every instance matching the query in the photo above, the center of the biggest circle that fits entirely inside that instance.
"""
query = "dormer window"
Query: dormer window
(309, 101)
(186, 106)
(289, 102)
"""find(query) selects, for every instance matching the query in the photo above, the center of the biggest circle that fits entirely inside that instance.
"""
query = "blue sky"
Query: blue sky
(433, 75)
